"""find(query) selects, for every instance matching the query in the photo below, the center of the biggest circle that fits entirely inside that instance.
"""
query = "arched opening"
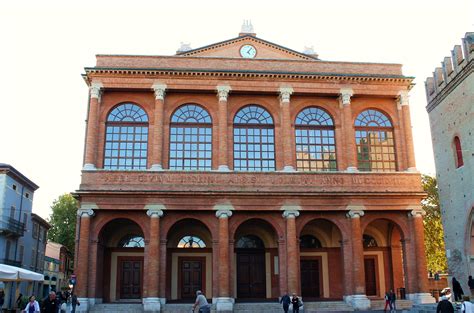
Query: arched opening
(189, 257)
(120, 261)
(383, 258)
(321, 264)
(256, 265)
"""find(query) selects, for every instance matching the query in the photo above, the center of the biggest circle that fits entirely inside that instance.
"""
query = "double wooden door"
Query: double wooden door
(131, 278)
(192, 271)
(370, 277)
(310, 278)
(251, 275)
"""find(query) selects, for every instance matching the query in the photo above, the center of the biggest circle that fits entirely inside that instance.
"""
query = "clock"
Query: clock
(248, 51)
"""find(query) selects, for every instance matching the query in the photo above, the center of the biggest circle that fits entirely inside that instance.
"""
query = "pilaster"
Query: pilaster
(348, 128)
(223, 94)
(290, 214)
(157, 149)
(90, 155)
(403, 102)
(285, 94)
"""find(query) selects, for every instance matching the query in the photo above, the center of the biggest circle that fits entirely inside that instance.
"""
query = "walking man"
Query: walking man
(393, 298)
(285, 300)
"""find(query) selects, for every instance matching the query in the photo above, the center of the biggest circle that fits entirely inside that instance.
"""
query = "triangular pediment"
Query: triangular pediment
(233, 48)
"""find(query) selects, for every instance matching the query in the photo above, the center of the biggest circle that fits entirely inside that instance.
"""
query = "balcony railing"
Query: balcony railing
(10, 262)
(12, 227)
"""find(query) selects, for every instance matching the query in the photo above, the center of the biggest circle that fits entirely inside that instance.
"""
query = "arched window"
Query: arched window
(191, 139)
(249, 242)
(191, 242)
(315, 143)
(254, 137)
(375, 142)
(369, 241)
(126, 138)
(132, 241)
(457, 146)
(309, 241)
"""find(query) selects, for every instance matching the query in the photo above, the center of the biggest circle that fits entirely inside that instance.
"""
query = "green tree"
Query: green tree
(63, 221)
(434, 233)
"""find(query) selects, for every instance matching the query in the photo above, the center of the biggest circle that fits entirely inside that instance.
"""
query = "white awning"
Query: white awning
(13, 273)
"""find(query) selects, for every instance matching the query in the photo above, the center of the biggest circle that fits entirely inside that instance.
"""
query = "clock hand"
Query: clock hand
(248, 51)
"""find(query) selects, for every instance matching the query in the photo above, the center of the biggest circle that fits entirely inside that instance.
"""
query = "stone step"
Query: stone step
(332, 306)
(400, 304)
(117, 307)
(260, 307)
(180, 308)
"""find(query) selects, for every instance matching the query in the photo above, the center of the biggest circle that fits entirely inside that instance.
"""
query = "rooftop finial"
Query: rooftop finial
(247, 28)
(185, 46)
(309, 50)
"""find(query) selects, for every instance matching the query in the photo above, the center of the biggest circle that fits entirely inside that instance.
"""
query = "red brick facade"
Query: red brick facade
(220, 206)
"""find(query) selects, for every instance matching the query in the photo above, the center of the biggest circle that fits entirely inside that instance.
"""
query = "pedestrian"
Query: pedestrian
(296, 302)
(75, 302)
(458, 293)
(18, 301)
(201, 302)
(50, 304)
(387, 302)
(393, 298)
(2, 298)
(32, 306)
(466, 305)
(285, 300)
(470, 283)
(444, 306)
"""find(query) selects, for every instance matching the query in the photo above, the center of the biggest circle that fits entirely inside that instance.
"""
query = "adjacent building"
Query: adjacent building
(22, 233)
(450, 94)
(58, 267)
(246, 169)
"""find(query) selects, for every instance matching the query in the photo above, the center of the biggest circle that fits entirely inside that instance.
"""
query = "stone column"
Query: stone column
(293, 258)
(358, 299)
(157, 148)
(282, 266)
(152, 302)
(85, 214)
(90, 154)
(422, 295)
(348, 129)
(285, 93)
(224, 301)
(403, 101)
(222, 94)
(163, 270)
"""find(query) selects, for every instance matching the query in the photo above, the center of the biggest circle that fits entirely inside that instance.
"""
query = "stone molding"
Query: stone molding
(285, 93)
(223, 92)
(160, 90)
(95, 89)
(345, 95)
(355, 211)
(155, 210)
(417, 212)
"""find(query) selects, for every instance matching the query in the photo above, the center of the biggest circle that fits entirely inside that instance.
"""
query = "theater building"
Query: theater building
(247, 170)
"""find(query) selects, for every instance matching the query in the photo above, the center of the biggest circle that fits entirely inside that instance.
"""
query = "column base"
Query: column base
(223, 168)
(85, 304)
(156, 168)
(358, 302)
(421, 298)
(151, 305)
(225, 305)
(352, 169)
(89, 167)
(288, 168)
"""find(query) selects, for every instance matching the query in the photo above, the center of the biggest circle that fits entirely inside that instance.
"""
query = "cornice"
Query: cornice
(249, 74)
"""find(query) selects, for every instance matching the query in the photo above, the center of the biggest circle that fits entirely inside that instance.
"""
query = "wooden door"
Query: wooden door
(191, 278)
(310, 279)
(131, 279)
(251, 275)
(370, 277)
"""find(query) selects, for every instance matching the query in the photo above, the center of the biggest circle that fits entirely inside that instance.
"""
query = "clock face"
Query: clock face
(248, 51)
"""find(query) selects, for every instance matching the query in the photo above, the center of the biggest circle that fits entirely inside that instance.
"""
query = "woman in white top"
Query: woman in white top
(32, 306)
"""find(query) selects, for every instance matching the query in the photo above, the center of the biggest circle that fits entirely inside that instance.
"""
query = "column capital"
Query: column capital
(345, 95)
(223, 92)
(160, 90)
(417, 212)
(95, 89)
(291, 214)
(403, 98)
(154, 210)
(87, 210)
(355, 211)
(285, 93)
(223, 213)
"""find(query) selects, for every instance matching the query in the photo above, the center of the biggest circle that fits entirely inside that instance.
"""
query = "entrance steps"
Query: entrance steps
(117, 307)
(260, 307)
(400, 304)
(180, 308)
(327, 306)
